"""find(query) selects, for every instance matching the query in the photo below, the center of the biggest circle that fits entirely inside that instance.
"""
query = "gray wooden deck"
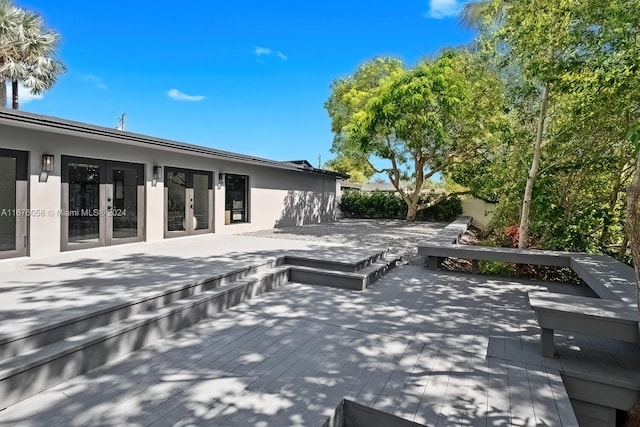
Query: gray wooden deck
(415, 345)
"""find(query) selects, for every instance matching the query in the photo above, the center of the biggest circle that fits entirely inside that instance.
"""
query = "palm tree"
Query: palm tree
(27, 52)
(9, 17)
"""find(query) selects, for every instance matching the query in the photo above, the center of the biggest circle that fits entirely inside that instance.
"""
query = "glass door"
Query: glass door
(176, 189)
(102, 201)
(83, 208)
(201, 195)
(188, 201)
(125, 202)
(13, 203)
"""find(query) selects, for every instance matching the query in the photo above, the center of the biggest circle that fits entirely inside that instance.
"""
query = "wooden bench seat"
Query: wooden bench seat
(452, 232)
(436, 252)
(590, 316)
(608, 278)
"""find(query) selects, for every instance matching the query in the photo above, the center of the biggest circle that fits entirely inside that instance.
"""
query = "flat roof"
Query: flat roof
(62, 126)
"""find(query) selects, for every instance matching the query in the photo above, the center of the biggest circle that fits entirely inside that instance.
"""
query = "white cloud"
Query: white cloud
(439, 9)
(262, 51)
(259, 51)
(95, 80)
(24, 94)
(179, 96)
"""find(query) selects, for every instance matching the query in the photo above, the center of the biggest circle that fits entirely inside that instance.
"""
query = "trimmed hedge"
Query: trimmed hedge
(382, 204)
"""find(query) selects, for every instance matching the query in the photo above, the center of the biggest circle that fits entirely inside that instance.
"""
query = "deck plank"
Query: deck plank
(454, 401)
(429, 347)
(544, 405)
(391, 392)
(280, 341)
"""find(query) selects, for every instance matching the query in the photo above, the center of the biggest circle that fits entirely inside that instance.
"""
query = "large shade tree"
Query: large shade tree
(584, 56)
(27, 52)
(355, 167)
(421, 120)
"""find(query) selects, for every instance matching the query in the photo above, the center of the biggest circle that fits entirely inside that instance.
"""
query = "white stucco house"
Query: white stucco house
(66, 186)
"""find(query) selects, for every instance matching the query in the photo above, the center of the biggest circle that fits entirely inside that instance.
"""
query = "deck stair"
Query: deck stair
(36, 359)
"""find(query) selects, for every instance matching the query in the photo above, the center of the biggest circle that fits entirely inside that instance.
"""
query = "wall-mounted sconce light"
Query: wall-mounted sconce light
(157, 174)
(47, 166)
(221, 178)
(47, 163)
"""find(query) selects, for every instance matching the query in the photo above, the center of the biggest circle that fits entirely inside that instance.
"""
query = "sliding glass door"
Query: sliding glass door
(102, 202)
(13, 203)
(188, 201)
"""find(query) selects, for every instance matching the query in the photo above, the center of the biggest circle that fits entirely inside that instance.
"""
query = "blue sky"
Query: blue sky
(245, 76)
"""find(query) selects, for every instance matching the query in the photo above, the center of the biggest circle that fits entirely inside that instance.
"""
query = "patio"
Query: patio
(415, 345)
(434, 348)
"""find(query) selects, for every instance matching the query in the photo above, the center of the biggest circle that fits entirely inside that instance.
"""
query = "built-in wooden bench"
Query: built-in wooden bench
(437, 252)
(452, 232)
(607, 277)
(590, 316)
(614, 314)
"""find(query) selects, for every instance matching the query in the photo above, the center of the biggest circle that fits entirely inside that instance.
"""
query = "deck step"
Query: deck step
(36, 370)
(335, 264)
(358, 280)
(23, 341)
(37, 359)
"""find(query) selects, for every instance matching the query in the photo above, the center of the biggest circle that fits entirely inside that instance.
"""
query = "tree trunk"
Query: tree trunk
(3, 93)
(14, 94)
(623, 247)
(633, 223)
(523, 230)
(412, 210)
(613, 198)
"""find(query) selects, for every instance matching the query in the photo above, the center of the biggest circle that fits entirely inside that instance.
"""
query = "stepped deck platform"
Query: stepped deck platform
(428, 347)
(50, 290)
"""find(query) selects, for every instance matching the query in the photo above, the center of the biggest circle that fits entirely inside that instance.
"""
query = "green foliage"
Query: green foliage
(27, 51)
(421, 120)
(587, 53)
(377, 204)
(447, 209)
(494, 268)
(357, 168)
(382, 204)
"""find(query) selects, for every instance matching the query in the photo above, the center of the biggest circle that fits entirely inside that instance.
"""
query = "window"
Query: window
(236, 198)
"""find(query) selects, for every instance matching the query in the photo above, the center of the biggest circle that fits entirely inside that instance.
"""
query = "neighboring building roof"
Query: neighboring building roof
(307, 166)
(351, 185)
(62, 126)
(303, 163)
(378, 186)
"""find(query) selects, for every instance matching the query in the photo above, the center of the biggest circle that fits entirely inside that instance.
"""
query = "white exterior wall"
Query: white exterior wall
(480, 211)
(277, 197)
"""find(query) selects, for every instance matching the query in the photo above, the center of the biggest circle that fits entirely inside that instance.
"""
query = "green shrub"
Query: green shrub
(493, 268)
(447, 210)
(381, 204)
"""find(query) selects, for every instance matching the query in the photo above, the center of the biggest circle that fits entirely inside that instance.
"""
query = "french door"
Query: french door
(102, 202)
(188, 201)
(13, 203)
